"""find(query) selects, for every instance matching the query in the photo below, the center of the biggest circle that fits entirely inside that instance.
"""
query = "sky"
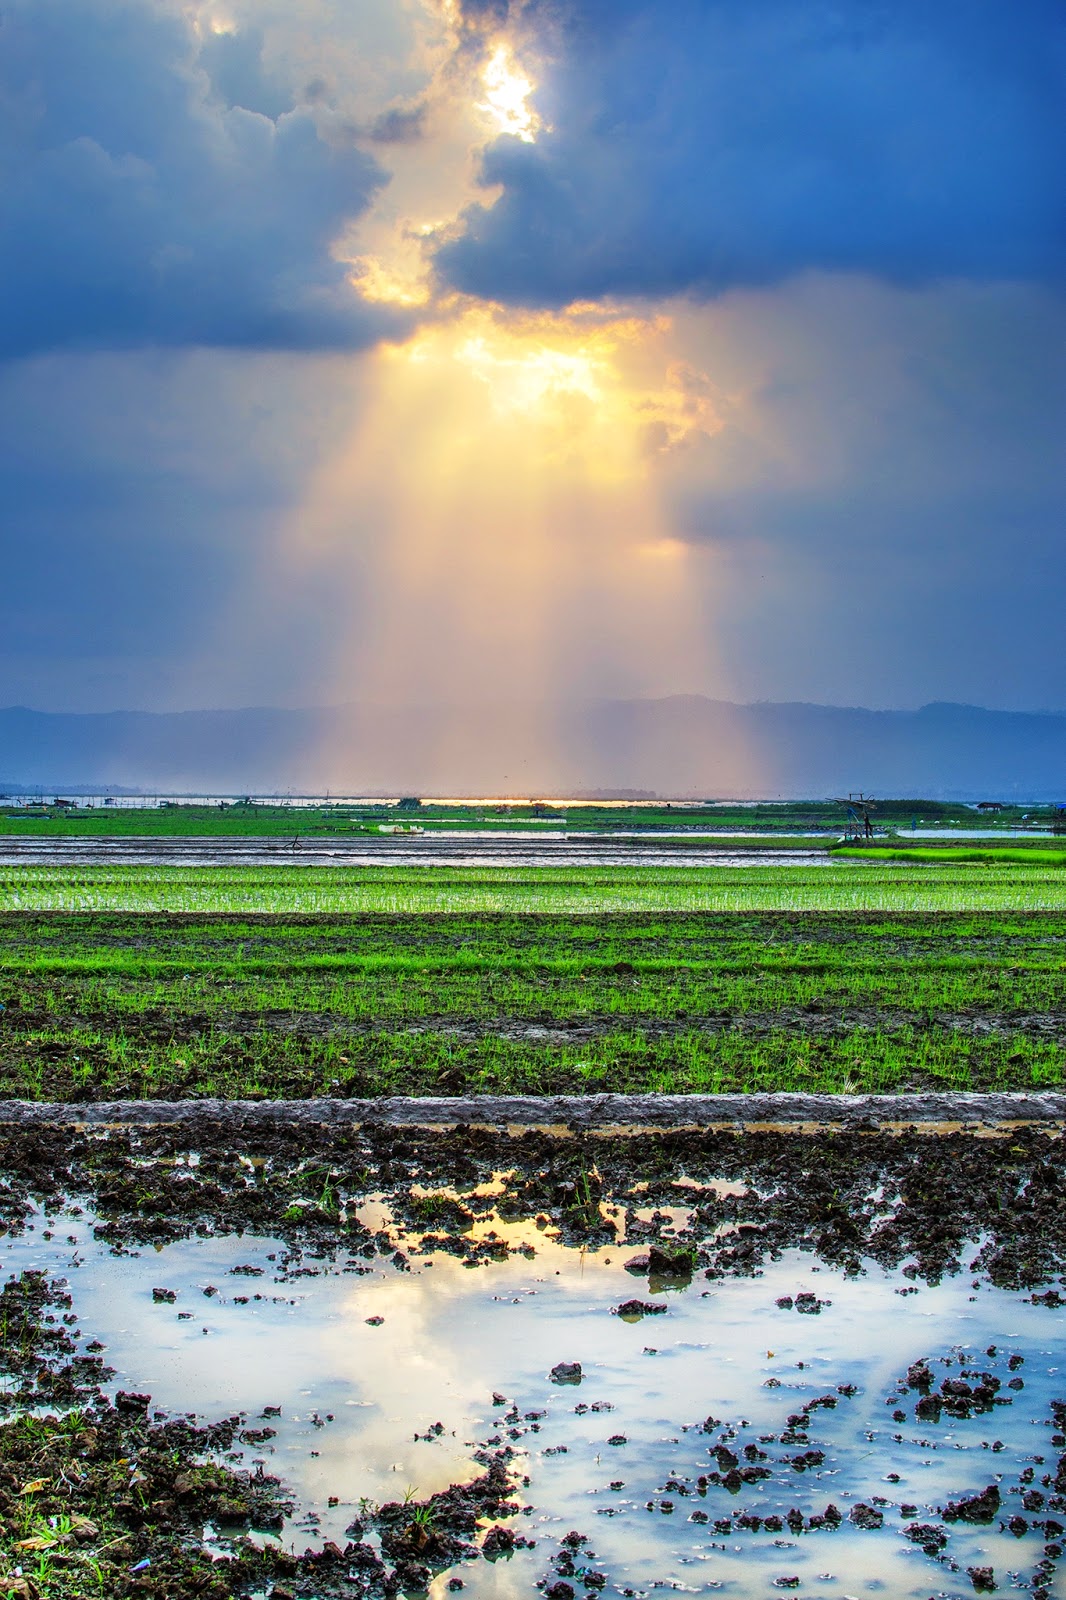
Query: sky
(457, 351)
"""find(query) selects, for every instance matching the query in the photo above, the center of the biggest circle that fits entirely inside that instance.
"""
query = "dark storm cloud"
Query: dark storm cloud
(704, 144)
(151, 193)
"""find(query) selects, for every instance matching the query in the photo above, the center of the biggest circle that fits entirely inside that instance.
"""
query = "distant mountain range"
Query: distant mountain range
(682, 745)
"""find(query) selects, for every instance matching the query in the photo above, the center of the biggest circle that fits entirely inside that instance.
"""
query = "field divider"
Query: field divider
(604, 1115)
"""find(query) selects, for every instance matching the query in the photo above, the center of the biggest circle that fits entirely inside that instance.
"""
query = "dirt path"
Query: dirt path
(606, 1114)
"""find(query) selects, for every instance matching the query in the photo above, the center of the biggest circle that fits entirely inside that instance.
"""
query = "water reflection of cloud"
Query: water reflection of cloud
(451, 1335)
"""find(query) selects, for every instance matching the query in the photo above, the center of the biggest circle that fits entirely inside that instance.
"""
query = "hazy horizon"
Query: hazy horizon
(504, 702)
(680, 745)
(430, 704)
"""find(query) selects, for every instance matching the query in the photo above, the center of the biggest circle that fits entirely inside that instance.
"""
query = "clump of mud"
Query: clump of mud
(903, 1200)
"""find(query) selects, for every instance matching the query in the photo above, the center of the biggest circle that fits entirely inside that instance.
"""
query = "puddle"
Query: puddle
(383, 1375)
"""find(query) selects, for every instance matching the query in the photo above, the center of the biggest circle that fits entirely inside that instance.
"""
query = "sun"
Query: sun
(573, 388)
(525, 374)
(507, 91)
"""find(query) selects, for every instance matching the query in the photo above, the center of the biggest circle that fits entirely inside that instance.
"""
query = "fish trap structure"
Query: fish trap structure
(858, 808)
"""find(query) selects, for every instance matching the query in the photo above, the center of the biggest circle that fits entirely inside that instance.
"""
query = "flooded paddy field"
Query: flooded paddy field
(301, 1350)
(439, 848)
(380, 1361)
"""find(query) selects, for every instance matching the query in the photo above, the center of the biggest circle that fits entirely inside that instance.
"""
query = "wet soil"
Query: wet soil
(84, 1471)
(847, 1195)
(100, 1494)
(812, 1020)
(430, 849)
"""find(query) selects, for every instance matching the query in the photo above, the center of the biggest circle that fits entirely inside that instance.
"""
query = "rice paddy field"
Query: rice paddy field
(249, 1354)
(141, 816)
(830, 883)
(301, 982)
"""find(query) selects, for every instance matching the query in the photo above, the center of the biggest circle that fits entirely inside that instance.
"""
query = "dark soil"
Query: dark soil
(899, 1198)
(813, 1020)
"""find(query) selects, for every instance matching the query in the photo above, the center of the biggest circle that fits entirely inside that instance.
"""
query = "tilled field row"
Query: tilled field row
(175, 1027)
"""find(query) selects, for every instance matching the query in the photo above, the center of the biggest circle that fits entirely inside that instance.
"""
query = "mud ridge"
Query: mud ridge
(603, 1113)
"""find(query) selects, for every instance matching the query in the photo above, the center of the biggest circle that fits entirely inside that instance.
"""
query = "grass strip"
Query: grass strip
(991, 855)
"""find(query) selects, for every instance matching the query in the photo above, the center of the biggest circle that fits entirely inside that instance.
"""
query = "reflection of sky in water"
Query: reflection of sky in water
(431, 849)
(451, 1335)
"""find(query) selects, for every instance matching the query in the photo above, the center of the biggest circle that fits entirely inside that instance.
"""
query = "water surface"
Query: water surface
(617, 1458)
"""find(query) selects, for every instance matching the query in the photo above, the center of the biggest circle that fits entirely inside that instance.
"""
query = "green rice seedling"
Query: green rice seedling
(136, 1004)
(844, 884)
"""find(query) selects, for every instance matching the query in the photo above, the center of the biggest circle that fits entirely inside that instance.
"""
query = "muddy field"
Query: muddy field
(372, 1361)
(143, 1007)
(267, 1332)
